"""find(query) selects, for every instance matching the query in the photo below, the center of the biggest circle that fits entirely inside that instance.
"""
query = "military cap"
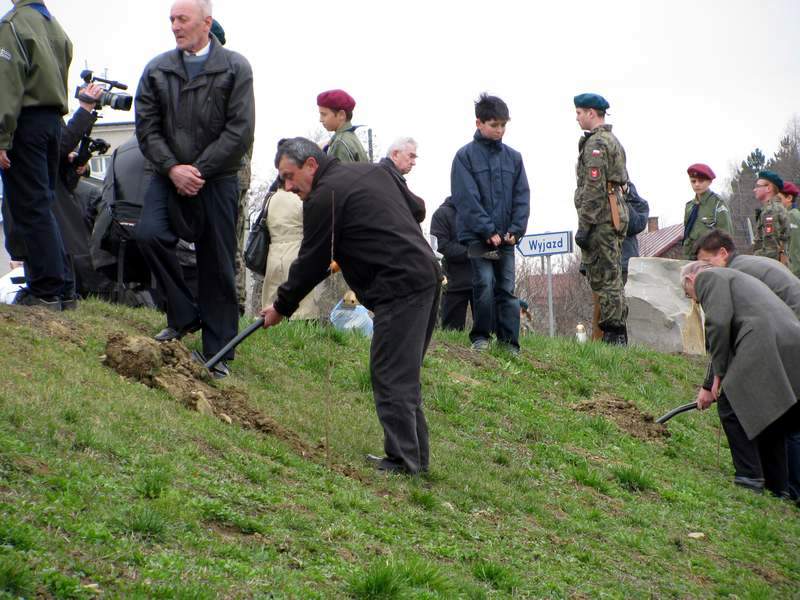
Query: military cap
(772, 177)
(701, 171)
(595, 101)
(791, 189)
(218, 31)
(336, 100)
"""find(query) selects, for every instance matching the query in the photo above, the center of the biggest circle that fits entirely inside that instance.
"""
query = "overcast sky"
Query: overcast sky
(688, 81)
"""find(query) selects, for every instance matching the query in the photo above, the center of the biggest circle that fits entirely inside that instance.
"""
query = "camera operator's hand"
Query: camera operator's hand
(81, 169)
(92, 91)
(4, 161)
(187, 179)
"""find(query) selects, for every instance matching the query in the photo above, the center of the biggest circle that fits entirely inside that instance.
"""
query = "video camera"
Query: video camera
(115, 100)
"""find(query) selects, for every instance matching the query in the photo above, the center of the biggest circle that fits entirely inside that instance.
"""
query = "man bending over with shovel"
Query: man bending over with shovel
(354, 214)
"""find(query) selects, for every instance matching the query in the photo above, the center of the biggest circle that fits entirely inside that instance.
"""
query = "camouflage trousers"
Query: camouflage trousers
(241, 270)
(601, 262)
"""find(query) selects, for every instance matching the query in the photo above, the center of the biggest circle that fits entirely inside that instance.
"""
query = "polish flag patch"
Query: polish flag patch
(594, 173)
(596, 153)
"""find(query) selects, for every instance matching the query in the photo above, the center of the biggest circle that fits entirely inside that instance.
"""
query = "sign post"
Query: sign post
(546, 245)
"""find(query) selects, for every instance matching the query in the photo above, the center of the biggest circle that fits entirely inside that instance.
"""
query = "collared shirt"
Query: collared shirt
(206, 49)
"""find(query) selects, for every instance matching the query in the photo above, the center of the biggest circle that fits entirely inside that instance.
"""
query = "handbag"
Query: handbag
(256, 248)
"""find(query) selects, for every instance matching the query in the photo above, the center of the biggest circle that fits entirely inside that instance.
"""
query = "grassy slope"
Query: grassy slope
(110, 487)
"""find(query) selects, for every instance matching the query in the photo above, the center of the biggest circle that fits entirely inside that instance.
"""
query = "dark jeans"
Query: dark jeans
(495, 308)
(217, 303)
(29, 186)
(744, 453)
(454, 309)
(402, 330)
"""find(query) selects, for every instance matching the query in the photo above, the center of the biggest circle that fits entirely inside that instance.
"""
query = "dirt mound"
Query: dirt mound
(626, 416)
(170, 367)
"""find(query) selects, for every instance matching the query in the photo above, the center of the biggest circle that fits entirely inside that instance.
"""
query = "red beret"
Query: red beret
(700, 170)
(336, 100)
(791, 189)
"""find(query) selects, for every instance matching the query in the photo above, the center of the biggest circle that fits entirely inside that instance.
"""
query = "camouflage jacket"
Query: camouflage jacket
(772, 230)
(712, 213)
(794, 241)
(601, 160)
(35, 54)
(346, 146)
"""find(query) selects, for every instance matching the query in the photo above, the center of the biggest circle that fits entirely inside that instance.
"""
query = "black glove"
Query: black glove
(582, 238)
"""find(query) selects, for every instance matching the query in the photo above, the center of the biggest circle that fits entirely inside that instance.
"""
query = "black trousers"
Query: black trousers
(217, 303)
(454, 309)
(29, 186)
(402, 330)
(772, 446)
(744, 453)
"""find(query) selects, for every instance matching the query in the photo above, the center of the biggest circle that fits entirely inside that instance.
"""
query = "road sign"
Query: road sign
(546, 244)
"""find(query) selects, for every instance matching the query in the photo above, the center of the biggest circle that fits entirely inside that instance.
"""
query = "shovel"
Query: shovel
(252, 328)
(676, 411)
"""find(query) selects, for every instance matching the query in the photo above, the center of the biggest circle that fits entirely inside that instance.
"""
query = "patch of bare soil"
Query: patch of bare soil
(49, 323)
(463, 353)
(169, 366)
(626, 416)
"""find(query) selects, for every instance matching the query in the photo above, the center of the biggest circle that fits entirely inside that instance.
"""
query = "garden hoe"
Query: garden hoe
(676, 411)
(252, 328)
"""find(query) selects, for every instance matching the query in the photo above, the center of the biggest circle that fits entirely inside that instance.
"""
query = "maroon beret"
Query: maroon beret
(701, 170)
(336, 100)
(790, 188)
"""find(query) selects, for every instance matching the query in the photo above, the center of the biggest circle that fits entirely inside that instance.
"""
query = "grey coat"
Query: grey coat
(754, 340)
(775, 276)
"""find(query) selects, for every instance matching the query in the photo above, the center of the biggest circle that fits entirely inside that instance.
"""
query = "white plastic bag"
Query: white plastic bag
(351, 318)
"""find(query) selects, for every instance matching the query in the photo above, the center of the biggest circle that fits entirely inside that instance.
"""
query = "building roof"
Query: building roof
(656, 243)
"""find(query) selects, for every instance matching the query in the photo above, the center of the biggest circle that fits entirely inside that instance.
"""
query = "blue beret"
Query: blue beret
(772, 177)
(595, 101)
(218, 31)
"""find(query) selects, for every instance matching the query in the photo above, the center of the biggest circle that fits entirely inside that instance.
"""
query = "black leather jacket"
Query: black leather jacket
(207, 122)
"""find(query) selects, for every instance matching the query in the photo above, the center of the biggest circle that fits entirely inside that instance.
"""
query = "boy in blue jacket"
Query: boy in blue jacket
(492, 198)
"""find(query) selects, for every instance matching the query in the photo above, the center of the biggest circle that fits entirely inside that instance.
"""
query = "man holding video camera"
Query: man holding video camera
(195, 116)
(35, 54)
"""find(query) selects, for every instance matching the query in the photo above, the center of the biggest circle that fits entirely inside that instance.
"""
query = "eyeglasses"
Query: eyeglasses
(762, 185)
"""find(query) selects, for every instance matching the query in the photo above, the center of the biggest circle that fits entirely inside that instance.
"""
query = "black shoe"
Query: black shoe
(750, 483)
(25, 298)
(168, 333)
(70, 303)
(615, 336)
(385, 465)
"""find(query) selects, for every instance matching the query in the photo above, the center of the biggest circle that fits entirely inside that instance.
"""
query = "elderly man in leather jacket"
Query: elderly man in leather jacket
(195, 116)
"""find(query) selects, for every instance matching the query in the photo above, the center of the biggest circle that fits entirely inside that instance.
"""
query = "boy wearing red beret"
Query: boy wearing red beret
(705, 212)
(788, 196)
(335, 113)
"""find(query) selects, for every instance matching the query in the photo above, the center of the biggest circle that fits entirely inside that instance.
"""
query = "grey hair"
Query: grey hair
(205, 7)
(298, 150)
(693, 268)
(399, 144)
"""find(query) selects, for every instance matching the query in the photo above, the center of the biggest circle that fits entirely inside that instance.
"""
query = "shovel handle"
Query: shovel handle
(676, 411)
(253, 327)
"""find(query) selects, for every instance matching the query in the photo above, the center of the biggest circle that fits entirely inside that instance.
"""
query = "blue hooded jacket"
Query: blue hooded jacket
(490, 190)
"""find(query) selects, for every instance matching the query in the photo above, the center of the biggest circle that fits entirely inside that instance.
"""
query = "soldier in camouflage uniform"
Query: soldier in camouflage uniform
(772, 220)
(335, 113)
(602, 214)
(789, 198)
(705, 212)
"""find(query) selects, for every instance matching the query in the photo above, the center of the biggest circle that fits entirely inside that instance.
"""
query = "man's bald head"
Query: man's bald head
(191, 21)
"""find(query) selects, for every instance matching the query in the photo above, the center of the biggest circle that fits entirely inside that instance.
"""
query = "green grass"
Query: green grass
(112, 489)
